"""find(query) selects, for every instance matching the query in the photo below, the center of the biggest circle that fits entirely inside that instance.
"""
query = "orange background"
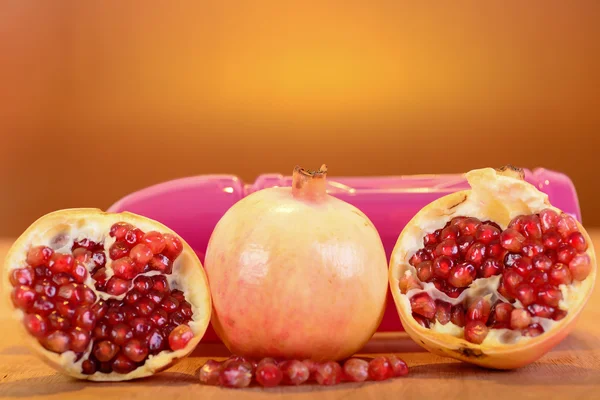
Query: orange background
(98, 100)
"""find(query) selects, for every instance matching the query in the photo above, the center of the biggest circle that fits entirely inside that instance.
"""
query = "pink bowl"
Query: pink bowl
(192, 206)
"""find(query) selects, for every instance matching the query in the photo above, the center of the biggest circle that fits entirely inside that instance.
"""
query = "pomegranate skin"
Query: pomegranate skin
(62, 226)
(296, 273)
(496, 195)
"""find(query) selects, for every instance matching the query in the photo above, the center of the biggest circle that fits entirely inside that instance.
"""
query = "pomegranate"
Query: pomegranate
(495, 275)
(289, 266)
(93, 303)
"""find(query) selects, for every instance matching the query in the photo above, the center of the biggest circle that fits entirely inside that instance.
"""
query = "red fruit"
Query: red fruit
(57, 342)
(479, 310)
(135, 350)
(161, 263)
(380, 369)
(502, 312)
(425, 271)
(532, 228)
(541, 262)
(537, 278)
(236, 375)
(89, 367)
(446, 248)
(523, 266)
(549, 295)
(180, 337)
(35, 324)
(61, 263)
(119, 230)
(22, 276)
(540, 310)
(462, 275)
(551, 240)
(525, 293)
(155, 241)
(23, 297)
(117, 286)
(123, 365)
(464, 243)
(105, 350)
(124, 268)
(356, 370)
(39, 255)
(580, 267)
(118, 250)
(566, 225)
(121, 334)
(476, 254)
(329, 373)
(491, 267)
(486, 233)
(430, 238)
(442, 312)
(548, 219)
(565, 254)
(141, 254)
(457, 315)
(533, 330)
(519, 319)
(268, 374)
(85, 318)
(423, 305)
(399, 367)
(173, 246)
(442, 266)
(210, 372)
(468, 226)
(80, 339)
(476, 332)
(132, 237)
(560, 274)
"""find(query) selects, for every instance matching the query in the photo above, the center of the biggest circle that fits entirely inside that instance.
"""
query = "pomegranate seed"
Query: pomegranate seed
(486, 233)
(114, 316)
(491, 267)
(457, 315)
(123, 365)
(160, 283)
(517, 223)
(577, 241)
(495, 249)
(180, 337)
(121, 334)
(80, 340)
(580, 267)
(99, 258)
(156, 341)
(155, 241)
(523, 266)
(79, 272)
(419, 257)
(423, 305)
(511, 280)
(464, 244)
(62, 278)
(537, 278)
(82, 255)
(159, 318)
(479, 310)
(550, 295)
(531, 249)
(551, 240)
(449, 232)
(446, 248)
(132, 237)
(57, 342)
(85, 318)
(430, 238)
(39, 255)
(559, 314)
(105, 367)
(540, 310)
(525, 294)
(476, 254)
(144, 307)
(468, 226)
(135, 350)
(173, 246)
(35, 324)
(268, 374)
(105, 350)
(155, 296)
(442, 312)
(425, 271)
(236, 374)
(408, 282)
(141, 326)
(43, 306)
(519, 319)
(210, 372)
(548, 219)
(565, 254)
(161, 263)
(178, 294)
(89, 367)
(124, 268)
(560, 274)
(502, 312)
(533, 330)
(356, 370)
(503, 291)
(143, 284)
(462, 275)
(380, 369)
(118, 250)
(61, 263)
(169, 304)
(141, 254)
(541, 262)
(328, 373)
(132, 297)
(64, 309)
(532, 227)
(566, 225)
(101, 331)
(420, 320)
(119, 230)
(399, 367)
(511, 258)
(475, 332)
(71, 292)
(42, 272)
(45, 287)
(442, 266)
(117, 286)
(22, 276)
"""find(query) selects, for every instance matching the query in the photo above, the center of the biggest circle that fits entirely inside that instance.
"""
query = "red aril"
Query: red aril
(210, 372)
(268, 374)
(527, 254)
(328, 373)
(380, 369)
(356, 370)
(333, 252)
(296, 372)
(73, 296)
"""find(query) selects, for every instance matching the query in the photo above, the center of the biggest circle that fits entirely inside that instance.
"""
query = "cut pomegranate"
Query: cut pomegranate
(98, 297)
(516, 258)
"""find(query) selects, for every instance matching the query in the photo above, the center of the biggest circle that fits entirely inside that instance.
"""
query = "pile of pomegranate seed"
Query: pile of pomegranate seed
(534, 255)
(116, 334)
(240, 372)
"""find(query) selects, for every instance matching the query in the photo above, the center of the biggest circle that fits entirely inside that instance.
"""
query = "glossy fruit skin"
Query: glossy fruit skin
(488, 199)
(277, 256)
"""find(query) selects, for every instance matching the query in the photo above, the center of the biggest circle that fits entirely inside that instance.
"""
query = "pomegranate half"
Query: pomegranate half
(296, 273)
(106, 296)
(495, 275)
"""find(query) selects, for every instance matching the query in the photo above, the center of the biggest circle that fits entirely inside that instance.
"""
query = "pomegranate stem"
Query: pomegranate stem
(309, 185)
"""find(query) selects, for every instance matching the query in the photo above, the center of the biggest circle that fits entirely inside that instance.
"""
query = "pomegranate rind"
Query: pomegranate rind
(498, 196)
(95, 224)
(282, 287)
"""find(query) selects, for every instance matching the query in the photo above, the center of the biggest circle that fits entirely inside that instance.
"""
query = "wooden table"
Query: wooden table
(571, 370)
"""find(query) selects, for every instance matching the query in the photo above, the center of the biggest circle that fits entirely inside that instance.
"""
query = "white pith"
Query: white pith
(188, 276)
(497, 197)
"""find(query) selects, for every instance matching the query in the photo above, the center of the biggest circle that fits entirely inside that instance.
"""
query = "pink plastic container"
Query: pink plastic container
(192, 206)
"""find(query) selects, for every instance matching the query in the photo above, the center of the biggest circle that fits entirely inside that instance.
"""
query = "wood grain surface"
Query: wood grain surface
(571, 370)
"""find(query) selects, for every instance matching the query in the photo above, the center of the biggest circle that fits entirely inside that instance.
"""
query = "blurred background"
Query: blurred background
(99, 99)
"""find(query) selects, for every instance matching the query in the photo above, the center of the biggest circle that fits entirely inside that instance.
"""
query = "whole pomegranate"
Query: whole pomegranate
(296, 273)
(106, 297)
(494, 275)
